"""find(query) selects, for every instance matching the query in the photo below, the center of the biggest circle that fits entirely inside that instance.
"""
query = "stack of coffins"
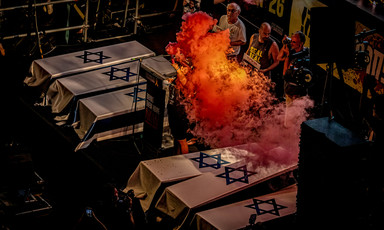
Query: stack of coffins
(98, 91)
(64, 93)
(175, 188)
(45, 71)
(152, 176)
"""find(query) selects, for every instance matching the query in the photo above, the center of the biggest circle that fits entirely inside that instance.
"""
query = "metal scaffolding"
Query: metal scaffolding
(85, 26)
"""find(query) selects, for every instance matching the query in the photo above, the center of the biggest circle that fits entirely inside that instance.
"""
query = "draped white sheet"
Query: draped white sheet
(180, 201)
(151, 176)
(44, 71)
(63, 91)
(109, 115)
(236, 216)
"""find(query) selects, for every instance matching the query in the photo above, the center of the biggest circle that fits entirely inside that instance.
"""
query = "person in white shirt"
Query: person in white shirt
(237, 32)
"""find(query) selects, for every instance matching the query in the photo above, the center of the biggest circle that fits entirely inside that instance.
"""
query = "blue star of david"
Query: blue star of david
(274, 210)
(99, 55)
(230, 180)
(126, 77)
(203, 164)
(134, 94)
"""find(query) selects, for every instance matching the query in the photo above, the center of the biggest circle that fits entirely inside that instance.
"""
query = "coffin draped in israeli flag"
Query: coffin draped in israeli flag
(151, 176)
(110, 115)
(44, 71)
(181, 200)
(237, 215)
(63, 94)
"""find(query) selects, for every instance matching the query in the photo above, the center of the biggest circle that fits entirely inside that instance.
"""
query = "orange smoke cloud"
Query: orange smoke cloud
(228, 104)
(215, 86)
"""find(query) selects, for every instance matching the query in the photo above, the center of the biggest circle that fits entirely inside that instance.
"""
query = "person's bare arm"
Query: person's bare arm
(237, 43)
(284, 56)
(284, 51)
(274, 53)
(250, 42)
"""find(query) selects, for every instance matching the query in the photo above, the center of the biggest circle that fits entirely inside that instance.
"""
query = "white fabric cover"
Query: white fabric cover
(236, 215)
(62, 91)
(48, 69)
(92, 111)
(150, 175)
(179, 200)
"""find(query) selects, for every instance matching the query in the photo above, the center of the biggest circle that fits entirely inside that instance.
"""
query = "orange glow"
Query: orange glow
(228, 104)
(215, 86)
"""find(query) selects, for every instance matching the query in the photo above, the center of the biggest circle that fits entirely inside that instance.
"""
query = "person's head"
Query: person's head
(264, 31)
(298, 40)
(233, 12)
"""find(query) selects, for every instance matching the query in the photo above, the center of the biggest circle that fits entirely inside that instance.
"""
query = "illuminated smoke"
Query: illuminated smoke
(228, 104)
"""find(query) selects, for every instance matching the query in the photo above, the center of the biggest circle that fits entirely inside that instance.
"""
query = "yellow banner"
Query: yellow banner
(373, 46)
(300, 16)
